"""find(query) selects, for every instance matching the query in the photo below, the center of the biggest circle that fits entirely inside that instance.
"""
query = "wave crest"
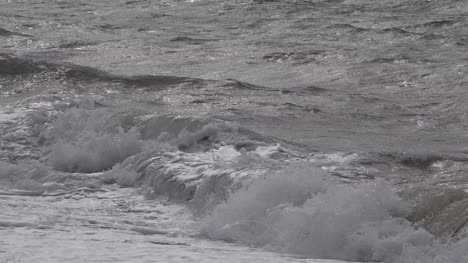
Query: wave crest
(300, 210)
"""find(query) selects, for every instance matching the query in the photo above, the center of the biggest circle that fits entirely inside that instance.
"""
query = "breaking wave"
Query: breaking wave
(244, 187)
(301, 210)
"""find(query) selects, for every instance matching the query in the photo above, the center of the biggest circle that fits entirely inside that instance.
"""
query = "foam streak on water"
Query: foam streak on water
(242, 131)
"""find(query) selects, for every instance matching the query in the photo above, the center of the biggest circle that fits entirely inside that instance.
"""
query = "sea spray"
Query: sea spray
(301, 210)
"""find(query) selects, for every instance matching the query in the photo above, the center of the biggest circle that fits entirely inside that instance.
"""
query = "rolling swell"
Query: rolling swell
(83, 73)
(14, 66)
(10, 65)
(236, 84)
(7, 33)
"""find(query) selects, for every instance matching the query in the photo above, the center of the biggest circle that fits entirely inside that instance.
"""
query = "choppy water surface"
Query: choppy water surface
(259, 131)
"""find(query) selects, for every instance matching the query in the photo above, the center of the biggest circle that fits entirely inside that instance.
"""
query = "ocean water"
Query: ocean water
(238, 131)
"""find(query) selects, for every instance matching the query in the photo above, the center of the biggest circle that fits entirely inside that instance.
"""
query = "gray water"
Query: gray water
(260, 131)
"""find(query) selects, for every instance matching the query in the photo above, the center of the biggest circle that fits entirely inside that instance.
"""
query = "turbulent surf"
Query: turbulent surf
(242, 131)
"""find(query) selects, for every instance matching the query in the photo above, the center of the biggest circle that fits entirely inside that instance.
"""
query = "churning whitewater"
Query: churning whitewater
(238, 131)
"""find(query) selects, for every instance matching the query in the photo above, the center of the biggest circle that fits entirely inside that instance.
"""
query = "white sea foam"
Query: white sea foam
(194, 160)
(93, 152)
(28, 176)
(85, 139)
(300, 210)
(203, 178)
(249, 196)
